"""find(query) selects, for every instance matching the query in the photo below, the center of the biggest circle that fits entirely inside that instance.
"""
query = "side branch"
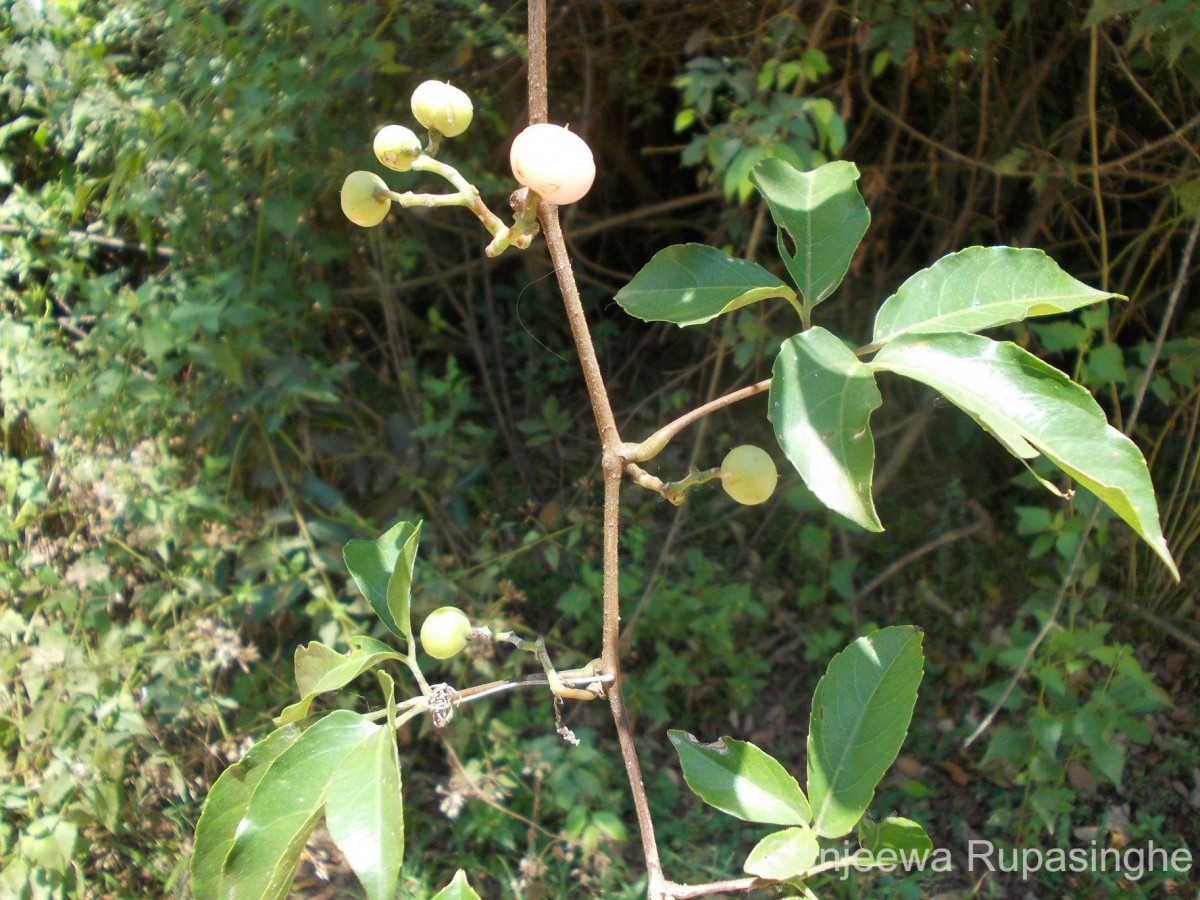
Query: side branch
(653, 445)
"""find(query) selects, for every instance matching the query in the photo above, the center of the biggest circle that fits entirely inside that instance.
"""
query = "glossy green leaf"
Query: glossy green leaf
(898, 836)
(820, 403)
(1031, 407)
(821, 218)
(738, 778)
(365, 813)
(226, 806)
(688, 284)
(978, 288)
(784, 854)
(285, 807)
(458, 889)
(383, 569)
(860, 715)
(320, 669)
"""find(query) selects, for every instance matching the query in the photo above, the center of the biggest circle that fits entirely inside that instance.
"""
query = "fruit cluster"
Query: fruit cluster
(554, 163)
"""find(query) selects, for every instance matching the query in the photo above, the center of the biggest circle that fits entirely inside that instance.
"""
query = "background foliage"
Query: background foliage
(209, 381)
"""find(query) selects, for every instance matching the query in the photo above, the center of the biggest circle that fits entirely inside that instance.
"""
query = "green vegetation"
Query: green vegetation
(216, 394)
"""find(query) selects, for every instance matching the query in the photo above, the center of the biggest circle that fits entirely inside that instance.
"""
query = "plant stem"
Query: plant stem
(614, 467)
(613, 464)
(519, 234)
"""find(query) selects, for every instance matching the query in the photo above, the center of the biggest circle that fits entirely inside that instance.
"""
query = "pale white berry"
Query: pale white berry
(442, 107)
(748, 474)
(396, 147)
(553, 162)
(444, 632)
(364, 198)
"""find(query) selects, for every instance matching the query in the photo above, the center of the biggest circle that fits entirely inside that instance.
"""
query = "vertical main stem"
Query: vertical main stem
(614, 468)
(613, 464)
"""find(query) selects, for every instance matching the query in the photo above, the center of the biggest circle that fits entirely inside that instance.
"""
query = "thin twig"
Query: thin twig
(1093, 135)
(898, 565)
(102, 240)
(1172, 302)
(732, 885)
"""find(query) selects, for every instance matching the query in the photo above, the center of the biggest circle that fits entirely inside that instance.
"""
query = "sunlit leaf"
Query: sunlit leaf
(978, 288)
(1031, 407)
(784, 854)
(820, 403)
(320, 669)
(383, 569)
(821, 218)
(860, 715)
(228, 800)
(365, 813)
(286, 805)
(738, 778)
(688, 284)
(458, 889)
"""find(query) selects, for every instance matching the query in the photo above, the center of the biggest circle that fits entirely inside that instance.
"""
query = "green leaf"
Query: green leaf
(1029, 406)
(286, 805)
(820, 403)
(978, 288)
(226, 806)
(823, 216)
(365, 814)
(738, 778)
(784, 854)
(860, 715)
(688, 284)
(1094, 725)
(320, 669)
(457, 889)
(382, 569)
(903, 838)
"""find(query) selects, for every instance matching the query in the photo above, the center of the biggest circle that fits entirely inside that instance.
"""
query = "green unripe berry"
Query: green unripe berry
(364, 198)
(441, 107)
(748, 474)
(444, 632)
(397, 147)
(553, 162)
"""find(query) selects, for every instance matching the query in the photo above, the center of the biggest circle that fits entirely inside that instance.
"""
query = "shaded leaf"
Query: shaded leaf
(457, 889)
(1030, 406)
(382, 569)
(226, 806)
(901, 837)
(738, 778)
(320, 669)
(365, 814)
(688, 284)
(978, 288)
(286, 805)
(784, 854)
(823, 216)
(820, 403)
(860, 714)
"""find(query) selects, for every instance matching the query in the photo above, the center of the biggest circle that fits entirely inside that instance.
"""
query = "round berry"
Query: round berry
(748, 474)
(396, 147)
(364, 198)
(553, 162)
(441, 107)
(444, 632)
